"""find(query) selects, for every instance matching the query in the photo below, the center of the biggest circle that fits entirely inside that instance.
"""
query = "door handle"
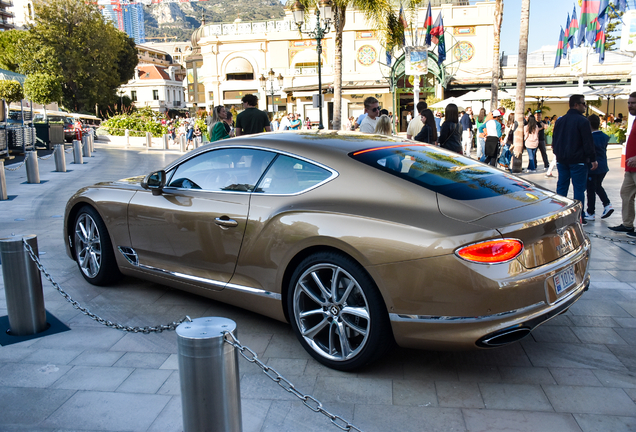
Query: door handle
(228, 223)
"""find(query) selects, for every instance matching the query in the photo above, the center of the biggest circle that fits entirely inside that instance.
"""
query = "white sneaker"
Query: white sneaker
(607, 211)
(589, 216)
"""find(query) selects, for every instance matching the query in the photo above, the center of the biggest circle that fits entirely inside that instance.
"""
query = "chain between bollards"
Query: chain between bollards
(49, 156)
(147, 329)
(309, 401)
(26, 156)
(611, 239)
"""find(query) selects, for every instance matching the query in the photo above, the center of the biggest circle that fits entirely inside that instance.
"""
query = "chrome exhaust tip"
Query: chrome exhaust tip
(504, 337)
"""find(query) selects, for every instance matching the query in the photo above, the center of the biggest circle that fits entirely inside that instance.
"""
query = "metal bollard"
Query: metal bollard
(22, 286)
(182, 142)
(86, 147)
(165, 142)
(148, 139)
(127, 135)
(77, 152)
(60, 158)
(32, 167)
(3, 183)
(91, 140)
(209, 374)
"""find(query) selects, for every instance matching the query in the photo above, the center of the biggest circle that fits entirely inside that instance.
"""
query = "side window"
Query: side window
(236, 169)
(288, 175)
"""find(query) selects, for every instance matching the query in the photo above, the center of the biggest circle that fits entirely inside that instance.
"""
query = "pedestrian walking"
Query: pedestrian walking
(467, 131)
(428, 134)
(574, 149)
(542, 124)
(251, 120)
(628, 188)
(531, 138)
(372, 109)
(219, 127)
(450, 136)
(492, 128)
(209, 123)
(481, 140)
(383, 125)
(416, 123)
(595, 177)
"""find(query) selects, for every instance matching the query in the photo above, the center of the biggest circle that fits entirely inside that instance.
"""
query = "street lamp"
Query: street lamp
(270, 78)
(318, 33)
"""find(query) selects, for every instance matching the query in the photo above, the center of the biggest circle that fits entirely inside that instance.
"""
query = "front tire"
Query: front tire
(337, 312)
(93, 249)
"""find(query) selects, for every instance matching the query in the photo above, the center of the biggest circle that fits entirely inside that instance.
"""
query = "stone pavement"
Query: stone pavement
(575, 373)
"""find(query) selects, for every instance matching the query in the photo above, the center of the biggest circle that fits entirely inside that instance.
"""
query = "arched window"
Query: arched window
(239, 69)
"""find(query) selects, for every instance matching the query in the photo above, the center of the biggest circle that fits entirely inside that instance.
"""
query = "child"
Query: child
(595, 177)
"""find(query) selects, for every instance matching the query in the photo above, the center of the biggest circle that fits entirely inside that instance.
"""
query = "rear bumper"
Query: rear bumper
(490, 331)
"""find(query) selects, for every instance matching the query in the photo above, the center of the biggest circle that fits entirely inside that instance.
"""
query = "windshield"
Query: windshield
(448, 174)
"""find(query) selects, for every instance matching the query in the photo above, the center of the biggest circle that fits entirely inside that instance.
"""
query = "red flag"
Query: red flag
(428, 24)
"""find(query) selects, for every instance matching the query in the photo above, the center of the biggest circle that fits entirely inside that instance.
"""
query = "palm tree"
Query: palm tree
(494, 87)
(521, 76)
(381, 13)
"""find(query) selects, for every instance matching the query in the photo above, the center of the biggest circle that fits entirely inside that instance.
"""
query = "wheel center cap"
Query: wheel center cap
(334, 310)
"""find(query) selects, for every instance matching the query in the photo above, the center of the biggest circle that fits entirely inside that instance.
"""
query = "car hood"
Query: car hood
(125, 182)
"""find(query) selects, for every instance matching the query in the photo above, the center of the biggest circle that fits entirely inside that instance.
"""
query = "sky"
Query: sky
(546, 19)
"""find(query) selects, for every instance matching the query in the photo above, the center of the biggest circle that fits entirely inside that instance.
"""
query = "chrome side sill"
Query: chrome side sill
(216, 284)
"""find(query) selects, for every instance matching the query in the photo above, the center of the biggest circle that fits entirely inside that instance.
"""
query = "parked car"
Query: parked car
(356, 240)
(68, 122)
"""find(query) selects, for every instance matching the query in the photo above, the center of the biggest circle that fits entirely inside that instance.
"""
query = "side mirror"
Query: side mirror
(155, 181)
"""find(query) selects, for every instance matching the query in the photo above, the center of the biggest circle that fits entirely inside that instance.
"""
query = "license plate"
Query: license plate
(564, 279)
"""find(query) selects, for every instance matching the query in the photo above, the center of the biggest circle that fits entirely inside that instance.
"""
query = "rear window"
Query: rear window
(449, 174)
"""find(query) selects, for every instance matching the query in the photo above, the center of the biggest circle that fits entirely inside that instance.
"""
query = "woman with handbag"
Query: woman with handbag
(450, 136)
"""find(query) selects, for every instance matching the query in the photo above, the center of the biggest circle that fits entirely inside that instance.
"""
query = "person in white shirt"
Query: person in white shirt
(284, 123)
(372, 109)
(416, 125)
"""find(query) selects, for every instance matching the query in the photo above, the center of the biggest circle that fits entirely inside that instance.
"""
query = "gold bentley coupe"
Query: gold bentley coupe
(358, 241)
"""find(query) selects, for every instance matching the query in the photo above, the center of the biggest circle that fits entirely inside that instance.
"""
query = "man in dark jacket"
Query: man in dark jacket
(574, 149)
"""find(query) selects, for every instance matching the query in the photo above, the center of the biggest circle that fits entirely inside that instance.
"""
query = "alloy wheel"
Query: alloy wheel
(332, 312)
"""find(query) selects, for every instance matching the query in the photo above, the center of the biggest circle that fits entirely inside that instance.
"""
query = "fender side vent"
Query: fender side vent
(129, 254)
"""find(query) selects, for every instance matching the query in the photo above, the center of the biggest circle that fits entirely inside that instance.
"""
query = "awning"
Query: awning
(239, 65)
(348, 87)
(308, 56)
(12, 76)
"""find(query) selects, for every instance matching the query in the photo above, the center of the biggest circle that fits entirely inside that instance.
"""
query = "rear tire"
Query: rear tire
(92, 248)
(337, 312)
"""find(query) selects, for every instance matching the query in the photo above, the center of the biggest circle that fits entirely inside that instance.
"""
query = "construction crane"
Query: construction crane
(165, 37)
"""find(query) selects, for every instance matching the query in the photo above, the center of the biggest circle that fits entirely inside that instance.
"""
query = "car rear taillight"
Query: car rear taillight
(491, 252)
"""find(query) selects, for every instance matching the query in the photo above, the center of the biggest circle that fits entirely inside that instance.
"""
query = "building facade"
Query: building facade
(156, 87)
(127, 17)
(227, 61)
(6, 15)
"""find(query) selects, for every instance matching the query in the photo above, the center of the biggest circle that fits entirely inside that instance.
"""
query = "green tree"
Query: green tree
(379, 12)
(11, 91)
(10, 43)
(42, 89)
(612, 35)
(71, 39)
